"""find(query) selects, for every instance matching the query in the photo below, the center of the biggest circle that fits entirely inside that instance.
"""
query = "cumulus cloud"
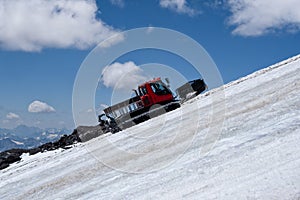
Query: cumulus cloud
(40, 107)
(179, 6)
(259, 17)
(122, 75)
(12, 116)
(32, 25)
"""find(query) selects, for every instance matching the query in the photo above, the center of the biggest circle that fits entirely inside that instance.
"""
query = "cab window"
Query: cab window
(143, 91)
(159, 89)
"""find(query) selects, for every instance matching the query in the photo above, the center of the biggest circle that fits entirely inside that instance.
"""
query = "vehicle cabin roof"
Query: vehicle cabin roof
(151, 81)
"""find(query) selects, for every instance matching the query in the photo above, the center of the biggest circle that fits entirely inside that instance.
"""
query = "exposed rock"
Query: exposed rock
(81, 134)
(10, 156)
(14, 155)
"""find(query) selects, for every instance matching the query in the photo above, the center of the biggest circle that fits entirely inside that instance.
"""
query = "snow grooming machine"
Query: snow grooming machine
(152, 98)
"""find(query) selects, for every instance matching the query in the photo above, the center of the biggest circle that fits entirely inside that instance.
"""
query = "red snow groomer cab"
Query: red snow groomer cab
(154, 92)
(152, 99)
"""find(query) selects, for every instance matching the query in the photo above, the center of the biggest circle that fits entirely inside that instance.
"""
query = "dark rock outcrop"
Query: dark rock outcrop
(81, 134)
(10, 156)
(14, 155)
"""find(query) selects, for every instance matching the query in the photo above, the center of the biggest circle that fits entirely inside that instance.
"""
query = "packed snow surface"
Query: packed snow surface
(240, 141)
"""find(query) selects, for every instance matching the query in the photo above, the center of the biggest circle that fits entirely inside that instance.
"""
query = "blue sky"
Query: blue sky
(43, 44)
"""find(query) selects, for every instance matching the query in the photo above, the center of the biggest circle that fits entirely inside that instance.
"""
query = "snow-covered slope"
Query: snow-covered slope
(254, 154)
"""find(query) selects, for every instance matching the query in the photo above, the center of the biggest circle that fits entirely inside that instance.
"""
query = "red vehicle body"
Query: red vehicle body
(151, 98)
(154, 92)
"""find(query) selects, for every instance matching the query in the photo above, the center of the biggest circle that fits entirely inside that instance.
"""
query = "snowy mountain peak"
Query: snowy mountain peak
(28, 137)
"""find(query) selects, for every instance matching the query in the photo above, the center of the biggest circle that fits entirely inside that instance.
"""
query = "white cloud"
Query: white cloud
(179, 6)
(39, 107)
(112, 40)
(119, 3)
(12, 116)
(215, 4)
(122, 75)
(32, 25)
(259, 17)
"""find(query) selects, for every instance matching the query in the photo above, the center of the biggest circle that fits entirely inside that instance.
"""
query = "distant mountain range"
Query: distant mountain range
(28, 137)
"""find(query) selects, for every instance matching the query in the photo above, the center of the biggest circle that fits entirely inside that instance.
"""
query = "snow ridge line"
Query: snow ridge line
(262, 71)
(248, 77)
